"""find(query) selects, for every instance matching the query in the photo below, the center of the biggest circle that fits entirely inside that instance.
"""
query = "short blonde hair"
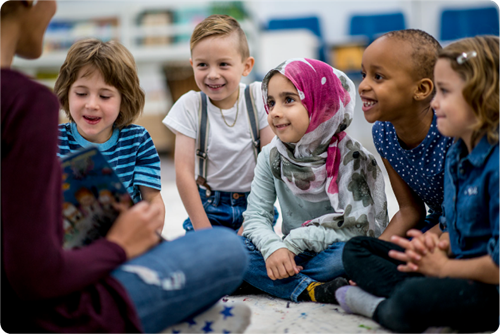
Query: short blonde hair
(117, 66)
(220, 25)
(480, 73)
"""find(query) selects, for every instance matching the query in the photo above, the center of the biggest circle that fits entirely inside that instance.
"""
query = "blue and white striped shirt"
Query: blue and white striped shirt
(130, 152)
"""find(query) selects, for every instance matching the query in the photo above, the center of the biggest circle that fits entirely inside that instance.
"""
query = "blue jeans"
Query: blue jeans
(318, 267)
(183, 277)
(224, 209)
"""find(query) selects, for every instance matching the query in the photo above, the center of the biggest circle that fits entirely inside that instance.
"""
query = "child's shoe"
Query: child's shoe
(323, 292)
(220, 318)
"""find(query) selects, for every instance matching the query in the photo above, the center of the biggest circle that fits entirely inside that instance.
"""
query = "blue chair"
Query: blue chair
(370, 26)
(460, 23)
(311, 23)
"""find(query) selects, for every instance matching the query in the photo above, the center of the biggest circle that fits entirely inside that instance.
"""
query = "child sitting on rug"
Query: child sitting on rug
(451, 281)
(396, 91)
(328, 186)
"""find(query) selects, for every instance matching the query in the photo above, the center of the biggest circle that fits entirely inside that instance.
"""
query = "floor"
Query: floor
(275, 315)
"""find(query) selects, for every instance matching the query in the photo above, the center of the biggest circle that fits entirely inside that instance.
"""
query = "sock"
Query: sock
(220, 318)
(323, 292)
(353, 299)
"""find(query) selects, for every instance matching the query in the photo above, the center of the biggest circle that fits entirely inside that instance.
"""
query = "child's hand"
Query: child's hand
(430, 264)
(428, 258)
(135, 229)
(421, 244)
(281, 264)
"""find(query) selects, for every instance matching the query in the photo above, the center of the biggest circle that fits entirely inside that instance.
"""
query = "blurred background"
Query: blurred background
(158, 32)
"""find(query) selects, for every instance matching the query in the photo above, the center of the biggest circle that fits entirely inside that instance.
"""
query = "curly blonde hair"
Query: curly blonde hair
(117, 66)
(480, 73)
(220, 25)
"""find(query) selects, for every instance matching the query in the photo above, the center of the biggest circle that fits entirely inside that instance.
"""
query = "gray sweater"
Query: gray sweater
(295, 211)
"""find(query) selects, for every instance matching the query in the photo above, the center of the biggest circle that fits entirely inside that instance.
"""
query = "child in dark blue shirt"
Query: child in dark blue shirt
(451, 280)
(396, 92)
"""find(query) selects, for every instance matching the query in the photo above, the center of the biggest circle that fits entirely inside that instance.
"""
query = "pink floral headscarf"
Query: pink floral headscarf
(326, 164)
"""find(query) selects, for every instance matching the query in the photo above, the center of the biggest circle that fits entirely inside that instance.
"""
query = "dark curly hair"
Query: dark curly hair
(425, 49)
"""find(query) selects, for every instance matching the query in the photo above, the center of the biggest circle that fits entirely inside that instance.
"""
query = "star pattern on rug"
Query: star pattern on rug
(208, 327)
(191, 322)
(227, 312)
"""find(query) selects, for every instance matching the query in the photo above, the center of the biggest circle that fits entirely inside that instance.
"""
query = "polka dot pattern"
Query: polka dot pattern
(422, 168)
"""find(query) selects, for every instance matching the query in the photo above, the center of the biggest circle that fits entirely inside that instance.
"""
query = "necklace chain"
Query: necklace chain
(237, 110)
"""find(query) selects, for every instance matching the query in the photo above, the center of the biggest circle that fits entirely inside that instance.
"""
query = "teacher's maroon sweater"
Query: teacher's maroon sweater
(46, 288)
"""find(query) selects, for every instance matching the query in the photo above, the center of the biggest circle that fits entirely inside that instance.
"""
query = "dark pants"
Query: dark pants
(415, 302)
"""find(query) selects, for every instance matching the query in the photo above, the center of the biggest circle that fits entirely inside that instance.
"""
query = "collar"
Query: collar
(85, 143)
(479, 154)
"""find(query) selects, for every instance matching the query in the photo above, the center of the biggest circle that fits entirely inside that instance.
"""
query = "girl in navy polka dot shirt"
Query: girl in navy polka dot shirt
(447, 283)
(396, 91)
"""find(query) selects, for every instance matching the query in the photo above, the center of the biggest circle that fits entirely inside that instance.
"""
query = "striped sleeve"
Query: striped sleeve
(63, 141)
(147, 165)
(66, 141)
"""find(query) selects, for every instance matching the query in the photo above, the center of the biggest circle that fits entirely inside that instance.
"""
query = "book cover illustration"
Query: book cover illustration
(90, 188)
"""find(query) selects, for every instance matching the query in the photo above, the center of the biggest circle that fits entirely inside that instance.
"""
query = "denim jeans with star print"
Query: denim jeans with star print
(318, 267)
(184, 277)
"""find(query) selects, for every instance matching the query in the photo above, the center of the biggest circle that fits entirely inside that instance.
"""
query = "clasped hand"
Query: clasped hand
(281, 264)
(426, 253)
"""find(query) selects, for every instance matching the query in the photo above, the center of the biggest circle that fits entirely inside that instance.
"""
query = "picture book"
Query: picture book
(90, 190)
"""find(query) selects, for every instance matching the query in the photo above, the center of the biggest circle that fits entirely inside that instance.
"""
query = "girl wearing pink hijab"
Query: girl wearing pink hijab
(329, 187)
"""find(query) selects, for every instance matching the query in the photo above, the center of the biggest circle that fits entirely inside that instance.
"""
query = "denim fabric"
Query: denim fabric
(471, 203)
(223, 210)
(183, 277)
(431, 220)
(321, 267)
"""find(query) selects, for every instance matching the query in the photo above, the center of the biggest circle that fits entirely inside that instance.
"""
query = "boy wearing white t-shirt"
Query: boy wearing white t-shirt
(217, 130)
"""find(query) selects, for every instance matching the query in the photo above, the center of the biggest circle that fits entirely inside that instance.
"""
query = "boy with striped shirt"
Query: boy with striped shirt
(98, 89)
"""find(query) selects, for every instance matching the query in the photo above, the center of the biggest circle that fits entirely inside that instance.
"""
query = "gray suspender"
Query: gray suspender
(203, 126)
(253, 121)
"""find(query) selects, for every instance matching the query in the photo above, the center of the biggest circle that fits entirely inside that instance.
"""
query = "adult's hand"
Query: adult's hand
(135, 229)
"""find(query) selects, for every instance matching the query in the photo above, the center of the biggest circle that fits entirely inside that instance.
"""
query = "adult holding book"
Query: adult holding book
(127, 281)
